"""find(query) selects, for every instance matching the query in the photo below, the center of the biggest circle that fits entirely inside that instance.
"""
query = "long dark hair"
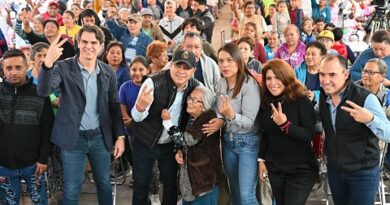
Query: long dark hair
(243, 72)
(114, 44)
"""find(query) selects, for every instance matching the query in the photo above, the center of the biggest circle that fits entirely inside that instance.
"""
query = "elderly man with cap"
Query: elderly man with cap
(149, 27)
(169, 90)
(134, 40)
(53, 12)
(326, 38)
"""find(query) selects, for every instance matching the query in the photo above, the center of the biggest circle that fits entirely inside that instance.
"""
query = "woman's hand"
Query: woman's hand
(226, 109)
(179, 157)
(263, 172)
(277, 114)
(213, 126)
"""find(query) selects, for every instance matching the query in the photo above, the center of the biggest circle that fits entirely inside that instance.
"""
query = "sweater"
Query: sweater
(25, 126)
(357, 67)
(284, 151)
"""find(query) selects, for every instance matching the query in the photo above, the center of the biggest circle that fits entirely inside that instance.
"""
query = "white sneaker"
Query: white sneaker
(155, 199)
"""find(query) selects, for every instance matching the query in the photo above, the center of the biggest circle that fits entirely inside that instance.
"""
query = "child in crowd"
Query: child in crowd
(282, 19)
(184, 10)
(307, 31)
(327, 39)
(296, 12)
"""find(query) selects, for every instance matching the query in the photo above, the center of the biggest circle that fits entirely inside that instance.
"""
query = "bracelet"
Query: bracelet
(285, 126)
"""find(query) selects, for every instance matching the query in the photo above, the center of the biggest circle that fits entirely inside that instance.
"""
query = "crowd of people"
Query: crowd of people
(86, 83)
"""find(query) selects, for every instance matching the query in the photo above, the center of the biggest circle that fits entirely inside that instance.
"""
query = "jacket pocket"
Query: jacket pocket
(202, 175)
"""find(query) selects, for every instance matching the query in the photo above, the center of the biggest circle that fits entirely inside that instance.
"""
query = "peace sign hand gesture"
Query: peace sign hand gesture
(277, 114)
(360, 114)
(55, 51)
(145, 98)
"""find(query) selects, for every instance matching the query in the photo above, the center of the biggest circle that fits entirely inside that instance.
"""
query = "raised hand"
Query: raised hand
(277, 114)
(54, 52)
(225, 108)
(145, 98)
(165, 115)
(358, 113)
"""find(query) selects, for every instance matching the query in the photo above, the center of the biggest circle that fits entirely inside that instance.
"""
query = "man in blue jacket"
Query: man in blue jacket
(89, 117)
(133, 38)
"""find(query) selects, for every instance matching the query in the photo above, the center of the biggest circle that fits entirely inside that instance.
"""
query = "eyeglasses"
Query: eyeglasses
(324, 40)
(370, 73)
(193, 100)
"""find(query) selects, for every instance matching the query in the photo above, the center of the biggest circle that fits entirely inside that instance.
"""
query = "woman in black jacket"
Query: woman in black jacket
(287, 120)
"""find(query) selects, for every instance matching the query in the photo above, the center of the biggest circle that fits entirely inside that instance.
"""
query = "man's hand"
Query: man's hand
(165, 114)
(126, 121)
(40, 168)
(145, 99)
(119, 148)
(213, 126)
(277, 114)
(226, 109)
(179, 157)
(54, 52)
(358, 113)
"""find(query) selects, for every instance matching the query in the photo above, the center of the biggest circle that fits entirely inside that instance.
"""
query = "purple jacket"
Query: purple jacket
(295, 58)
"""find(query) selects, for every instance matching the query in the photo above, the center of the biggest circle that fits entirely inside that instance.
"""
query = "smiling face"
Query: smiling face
(180, 74)
(273, 84)
(114, 56)
(89, 46)
(52, 10)
(76, 10)
(137, 72)
(51, 30)
(371, 76)
(313, 57)
(332, 77)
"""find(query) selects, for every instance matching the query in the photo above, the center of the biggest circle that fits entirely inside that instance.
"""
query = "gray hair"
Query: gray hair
(382, 66)
(208, 97)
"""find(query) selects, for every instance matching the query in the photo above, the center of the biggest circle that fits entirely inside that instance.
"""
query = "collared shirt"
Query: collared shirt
(380, 125)
(174, 110)
(91, 118)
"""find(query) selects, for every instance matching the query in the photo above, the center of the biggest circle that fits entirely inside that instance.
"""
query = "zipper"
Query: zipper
(169, 105)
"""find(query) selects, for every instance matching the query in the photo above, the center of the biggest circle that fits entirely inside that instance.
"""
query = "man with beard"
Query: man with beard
(206, 16)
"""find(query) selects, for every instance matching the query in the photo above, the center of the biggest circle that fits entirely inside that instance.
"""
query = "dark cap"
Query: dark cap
(202, 2)
(182, 56)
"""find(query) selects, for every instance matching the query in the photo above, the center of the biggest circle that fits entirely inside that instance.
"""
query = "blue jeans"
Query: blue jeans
(74, 162)
(354, 188)
(10, 185)
(207, 199)
(240, 162)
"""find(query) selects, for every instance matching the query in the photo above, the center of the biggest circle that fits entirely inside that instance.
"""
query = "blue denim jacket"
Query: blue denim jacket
(122, 34)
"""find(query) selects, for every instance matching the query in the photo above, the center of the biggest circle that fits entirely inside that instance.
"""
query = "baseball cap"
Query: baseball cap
(326, 34)
(182, 56)
(54, 3)
(146, 11)
(135, 17)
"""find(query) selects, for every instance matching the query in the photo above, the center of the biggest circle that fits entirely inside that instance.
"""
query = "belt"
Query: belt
(90, 133)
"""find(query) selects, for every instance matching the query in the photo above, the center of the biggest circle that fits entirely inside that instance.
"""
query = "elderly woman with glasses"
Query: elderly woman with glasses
(197, 154)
